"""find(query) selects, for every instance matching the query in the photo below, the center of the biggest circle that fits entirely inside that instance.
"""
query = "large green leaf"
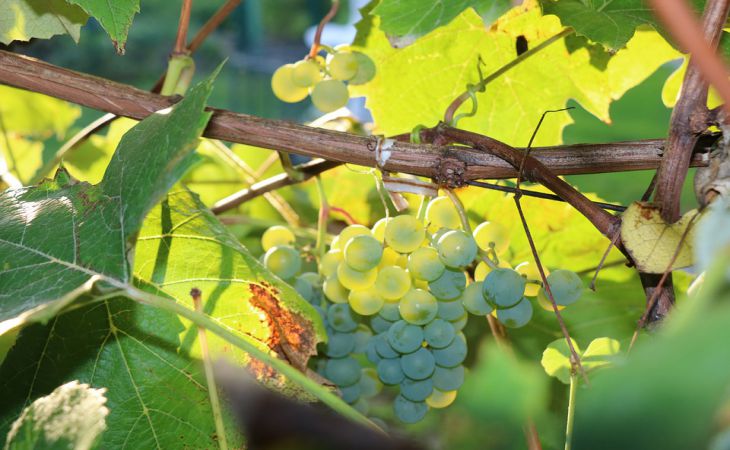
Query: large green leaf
(418, 17)
(115, 17)
(22, 20)
(35, 115)
(71, 417)
(59, 238)
(183, 246)
(416, 84)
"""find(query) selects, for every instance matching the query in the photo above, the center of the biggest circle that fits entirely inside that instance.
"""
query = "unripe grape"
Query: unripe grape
(329, 95)
(565, 286)
(379, 229)
(282, 83)
(418, 307)
(354, 279)
(283, 260)
(334, 290)
(418, 365)
(516, 316)
(487, 233)
(365, 69)
(366, 302)
(440, 399)
(441, 213)
(474, 301)
(343, 66)
(363, 252)
(276, 235)
(425, 264)
(457, 249)
(392, 282)
(482, 269)
(330, 261)
(404, 233)
(529, 270)
(306, 73)
(503, 288)
(348, 233)
(408, 411)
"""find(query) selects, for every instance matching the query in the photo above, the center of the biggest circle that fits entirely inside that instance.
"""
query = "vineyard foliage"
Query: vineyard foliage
(382, 314)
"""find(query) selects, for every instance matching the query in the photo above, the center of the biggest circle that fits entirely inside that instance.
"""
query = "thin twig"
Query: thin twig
(341, 211)
(318, 33)
(537, 194)
(456, 104)
(182, 28)
(662, 280)
(614, 240)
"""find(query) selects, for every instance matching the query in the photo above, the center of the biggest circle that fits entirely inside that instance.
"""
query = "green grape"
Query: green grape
(390, 258)
(343, 371)
(340, 318)
(437, 235)
(378, 229)
(457, 249)
(418, 365)
(362, 336)
(488, 234)
(363, 252)
(516, 316)
(304, 288)
(503, 288)
(351, 394)
(528, 269)
(441, 213)
(365, 302)
(392, 282)
(276, 235)
(339, 344)
(380, 325)
(449, 285)
(404, 337)
(306, 73)
(334, 290)
(404, 233)
(453, 354)
(282, 83)
(348, 233)
(407, 411)
(440, 399)
(283, 260)
(329, 95)
(370, 384)
(473, 300)
(329, 263)
(365, 69)
(354, 279)
(482, 269)
(451, 310)
(343, 66)
(448, 378)
(418, 307)
(439, 333)
(460, 323)
(390, 312)
(371, 353)
(544, 301)
(565, 286)
(424, 264)
(382, 346)
(416, 390)
(389, 371)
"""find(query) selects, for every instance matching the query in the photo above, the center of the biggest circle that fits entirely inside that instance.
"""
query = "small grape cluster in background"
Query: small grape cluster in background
(325, 80)
(395, 299)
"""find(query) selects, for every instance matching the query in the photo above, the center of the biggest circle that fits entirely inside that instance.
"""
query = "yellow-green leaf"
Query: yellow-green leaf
(22, 20)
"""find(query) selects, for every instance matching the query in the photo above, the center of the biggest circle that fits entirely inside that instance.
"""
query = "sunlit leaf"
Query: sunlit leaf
(115, 17)
(22, 20)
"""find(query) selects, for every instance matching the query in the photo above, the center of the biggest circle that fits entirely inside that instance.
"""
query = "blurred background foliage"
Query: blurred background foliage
(503, 391)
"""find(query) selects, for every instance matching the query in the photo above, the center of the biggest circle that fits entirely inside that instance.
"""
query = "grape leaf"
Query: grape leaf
(58, 239)
(73, 416)
(22, 20)
(609, 22)
(416, 84)
(600, 352)
(183, 246)
(35, 115)
(419, 17)
(556, 359)
(115, 17)
(652, 242)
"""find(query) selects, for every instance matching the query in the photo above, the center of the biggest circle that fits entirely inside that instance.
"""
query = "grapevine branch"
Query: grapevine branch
(182, 28)
(417, 159)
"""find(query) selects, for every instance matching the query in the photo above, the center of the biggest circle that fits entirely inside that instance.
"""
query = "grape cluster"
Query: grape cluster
(324, 80)
(395, 299)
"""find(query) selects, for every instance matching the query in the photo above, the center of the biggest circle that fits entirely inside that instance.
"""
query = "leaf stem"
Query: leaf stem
(213, 326)
(209, 375)
(182, 28)
(318, 33)
(571, 411)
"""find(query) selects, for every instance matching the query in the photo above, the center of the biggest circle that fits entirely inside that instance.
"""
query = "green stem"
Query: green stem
(180, 71)
(460, 209)
(422, 208)
(205, 321)
(571, 411)
(324, 214)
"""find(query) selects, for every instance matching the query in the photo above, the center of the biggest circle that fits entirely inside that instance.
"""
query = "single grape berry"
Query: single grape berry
(449, 285)
(306, 73)
(392, 282)
(343, 66)
(448, 378)
(453, 354)
(416, 390)
(425, 264)
(405, 337)
(473, 300)
(440, 399)
(329, 95)
(343, 371)
(365, 69)
(378, 229)
(404, 233)
(457, 249)
(389, 371)
(503, 288)
(282, 83)
(340, 318)
(334, 290)
(340, 345)
(354, 279)
(408, 411)
(516, 316)
(330, 261)
(566, 287)
(492, 235)
(439, 333)
(365, 302)
(363, 252)
(348, 233)
(441, 213)
(283, 260)
(418, 307)
(529, 270)
(418, 365)
(276, 235)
